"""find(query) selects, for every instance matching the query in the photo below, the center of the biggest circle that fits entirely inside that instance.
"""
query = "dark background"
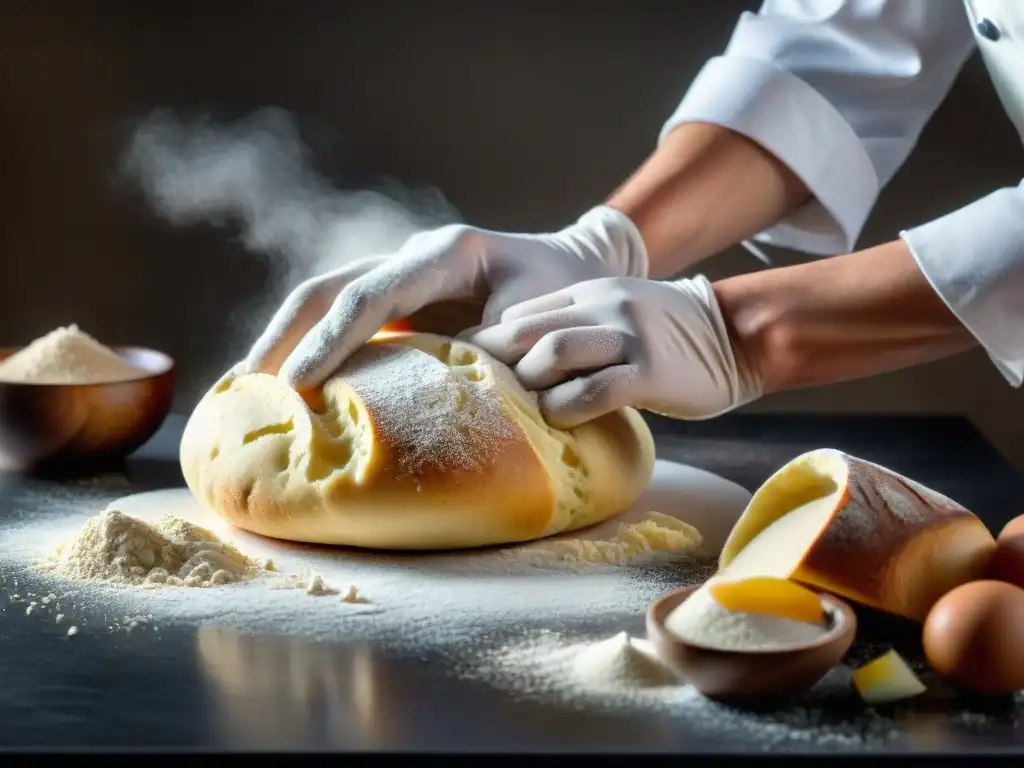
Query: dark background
(523, 114)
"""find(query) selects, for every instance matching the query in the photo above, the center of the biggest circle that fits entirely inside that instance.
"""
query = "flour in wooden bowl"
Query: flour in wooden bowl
(702, 621)
(67, 355)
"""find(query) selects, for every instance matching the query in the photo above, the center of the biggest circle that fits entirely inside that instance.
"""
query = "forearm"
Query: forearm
(838, 319)
(705, 188)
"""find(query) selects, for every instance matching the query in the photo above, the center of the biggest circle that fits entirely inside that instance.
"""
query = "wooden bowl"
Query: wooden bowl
(751, 675)
(75, 426)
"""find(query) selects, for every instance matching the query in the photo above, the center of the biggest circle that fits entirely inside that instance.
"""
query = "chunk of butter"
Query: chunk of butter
(887, 679)
(768, 595)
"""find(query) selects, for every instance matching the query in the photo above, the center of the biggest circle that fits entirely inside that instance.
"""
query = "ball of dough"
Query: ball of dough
(418, 442)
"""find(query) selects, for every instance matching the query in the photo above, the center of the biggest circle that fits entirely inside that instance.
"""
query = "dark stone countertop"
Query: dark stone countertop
(124, 690)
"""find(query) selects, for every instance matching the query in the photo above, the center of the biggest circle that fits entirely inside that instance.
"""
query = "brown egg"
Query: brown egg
(1007, 563)
(974, 636)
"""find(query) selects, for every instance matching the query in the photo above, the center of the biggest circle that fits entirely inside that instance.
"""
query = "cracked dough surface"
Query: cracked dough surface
(418, 442)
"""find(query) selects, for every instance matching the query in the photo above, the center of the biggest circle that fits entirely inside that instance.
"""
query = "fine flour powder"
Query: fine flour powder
(117, 549)
(621, 673)
(133, 563)
(653, 537)
(448, 419)
(535, 632)
(620, 662)
(67, 355)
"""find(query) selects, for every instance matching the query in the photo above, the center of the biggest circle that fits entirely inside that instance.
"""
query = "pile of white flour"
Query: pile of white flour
(117, 549)
(67, 355)
(620, 663)
(173, 552)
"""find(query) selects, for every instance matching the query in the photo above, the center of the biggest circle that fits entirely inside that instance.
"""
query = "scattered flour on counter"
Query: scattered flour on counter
(467, 607)
(403, 601)
(313, 584)
(112, 481)
(67, 355)
(701, 620)
(653, 537)
(620, 671)
(611, 674)
(352, 595)
(134, 622)
(318, 587)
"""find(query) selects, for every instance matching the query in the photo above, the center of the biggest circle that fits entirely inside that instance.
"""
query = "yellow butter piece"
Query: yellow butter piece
(886, 679)
(769, 595)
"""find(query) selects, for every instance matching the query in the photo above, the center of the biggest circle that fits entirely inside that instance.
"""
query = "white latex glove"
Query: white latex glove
(604, 344)
(328, 318)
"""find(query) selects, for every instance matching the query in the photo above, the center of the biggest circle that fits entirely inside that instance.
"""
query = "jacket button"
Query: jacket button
(987, 29)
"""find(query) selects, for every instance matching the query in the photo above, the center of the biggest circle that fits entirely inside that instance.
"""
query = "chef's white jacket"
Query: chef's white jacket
(840, 90)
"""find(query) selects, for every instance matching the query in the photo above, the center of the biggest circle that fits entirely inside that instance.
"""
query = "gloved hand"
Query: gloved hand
(327, 318)
(604, 344)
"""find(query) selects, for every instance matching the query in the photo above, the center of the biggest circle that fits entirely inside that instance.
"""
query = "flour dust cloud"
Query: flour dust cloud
(255, 177)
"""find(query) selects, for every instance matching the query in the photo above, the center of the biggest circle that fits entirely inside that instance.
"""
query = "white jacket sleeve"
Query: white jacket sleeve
(839, 90)
(974, 259)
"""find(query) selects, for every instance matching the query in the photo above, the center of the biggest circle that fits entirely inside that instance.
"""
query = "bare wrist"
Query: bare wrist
(705, 188)
(754, 325)
(838, 319)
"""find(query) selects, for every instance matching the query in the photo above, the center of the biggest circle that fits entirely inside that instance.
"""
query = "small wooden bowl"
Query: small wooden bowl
(751, 675)
(68, 427)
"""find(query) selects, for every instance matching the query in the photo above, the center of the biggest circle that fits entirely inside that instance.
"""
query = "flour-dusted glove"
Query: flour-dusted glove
(604, 344)
(328, 318)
